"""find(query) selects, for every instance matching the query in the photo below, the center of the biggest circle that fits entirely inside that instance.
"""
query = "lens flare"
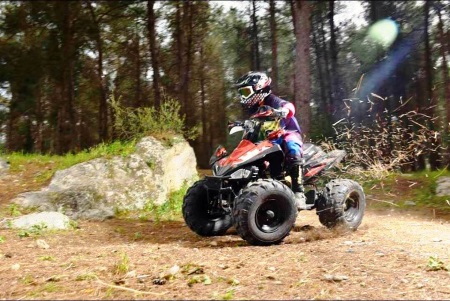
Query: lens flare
(383, 32)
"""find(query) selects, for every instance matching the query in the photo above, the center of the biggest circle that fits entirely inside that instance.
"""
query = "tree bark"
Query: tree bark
(186, 72)
(65, 116)
(446, 83)
(255, 41)
(322, 85)
(327, 75)
(205, 135)
(180, 46)
(102, 104)
(434, 155)
(273, 34)
(337, 95)
(138, 68)
(154, 53)
(302, 81)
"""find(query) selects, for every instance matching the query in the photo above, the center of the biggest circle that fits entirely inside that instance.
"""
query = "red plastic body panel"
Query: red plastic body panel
(244, 151)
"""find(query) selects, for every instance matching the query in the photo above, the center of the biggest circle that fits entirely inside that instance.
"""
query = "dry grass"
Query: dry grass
(379, 142)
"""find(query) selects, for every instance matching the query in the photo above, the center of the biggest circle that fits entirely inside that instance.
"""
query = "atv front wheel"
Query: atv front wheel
(342, 203)
(197, 215)
(264, 212)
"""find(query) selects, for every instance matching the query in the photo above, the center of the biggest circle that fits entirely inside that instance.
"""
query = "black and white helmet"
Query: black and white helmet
(253, 87)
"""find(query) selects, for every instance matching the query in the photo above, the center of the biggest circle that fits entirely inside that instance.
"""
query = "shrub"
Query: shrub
(148, 121)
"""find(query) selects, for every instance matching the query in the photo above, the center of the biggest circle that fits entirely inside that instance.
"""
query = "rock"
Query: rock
(15, 267)
(337, 278)
(131, 274)
(47, 220)
(42, 244)
(4, 167)
(443, 186)
(169, 274)
(409, 203)
(97, 188)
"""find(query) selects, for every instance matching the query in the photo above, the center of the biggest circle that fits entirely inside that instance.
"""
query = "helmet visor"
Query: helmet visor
(246, 92)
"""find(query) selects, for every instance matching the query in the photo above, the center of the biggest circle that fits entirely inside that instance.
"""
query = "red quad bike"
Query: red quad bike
(248, 189)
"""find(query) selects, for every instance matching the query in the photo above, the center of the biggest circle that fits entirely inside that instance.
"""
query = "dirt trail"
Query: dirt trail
(385, 259)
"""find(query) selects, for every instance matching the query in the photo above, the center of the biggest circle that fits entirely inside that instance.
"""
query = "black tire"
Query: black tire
(342, 204)
(264, 212)
(196, 216)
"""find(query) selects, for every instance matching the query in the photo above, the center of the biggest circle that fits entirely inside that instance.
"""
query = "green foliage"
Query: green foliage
(205, 279)
(2, 239)
(48, 164)
(122, 266)
(47, 258)
(147, 121)
(28, 279)
(419, 187)
(436, 264)
(86, 277)
(14, 210)
(229, 295)
(170, 210)
(35, 230)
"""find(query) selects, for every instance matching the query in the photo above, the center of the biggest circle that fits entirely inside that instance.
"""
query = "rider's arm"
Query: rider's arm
(286, 110)
(289, 109)
(284, 107)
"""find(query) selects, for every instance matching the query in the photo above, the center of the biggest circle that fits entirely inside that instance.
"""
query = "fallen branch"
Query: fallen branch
(383, 201)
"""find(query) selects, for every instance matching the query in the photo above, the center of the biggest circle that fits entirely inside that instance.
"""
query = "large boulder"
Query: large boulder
(443, 186)
(97, 188)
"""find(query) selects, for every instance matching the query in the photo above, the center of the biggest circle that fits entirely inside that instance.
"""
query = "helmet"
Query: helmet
(253, 87)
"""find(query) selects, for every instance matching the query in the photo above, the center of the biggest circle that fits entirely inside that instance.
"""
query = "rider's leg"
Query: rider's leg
(294, 159)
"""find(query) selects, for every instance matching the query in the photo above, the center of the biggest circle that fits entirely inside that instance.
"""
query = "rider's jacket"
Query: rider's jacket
(290, 122)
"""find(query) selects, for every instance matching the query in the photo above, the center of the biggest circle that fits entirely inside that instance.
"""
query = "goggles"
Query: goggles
(246, 92)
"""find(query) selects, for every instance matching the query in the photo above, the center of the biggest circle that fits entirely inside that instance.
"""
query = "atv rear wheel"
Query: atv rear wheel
(264, 212)
(197, 216)
(342, 203)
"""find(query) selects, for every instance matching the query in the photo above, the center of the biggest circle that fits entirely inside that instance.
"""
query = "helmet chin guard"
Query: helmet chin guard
(253, 100)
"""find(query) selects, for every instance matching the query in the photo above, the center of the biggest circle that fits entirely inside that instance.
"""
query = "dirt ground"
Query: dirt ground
(388, 257)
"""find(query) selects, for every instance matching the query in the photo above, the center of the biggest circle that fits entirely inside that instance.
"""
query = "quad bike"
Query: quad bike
(248, 188)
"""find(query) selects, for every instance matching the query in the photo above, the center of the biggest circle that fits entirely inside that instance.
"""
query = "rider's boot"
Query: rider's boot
(297, 186)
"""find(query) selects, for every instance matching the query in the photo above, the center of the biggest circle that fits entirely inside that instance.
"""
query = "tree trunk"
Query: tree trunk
(154, 53)
(205, 136)
(446, 82)
(102, 104)
(337, 95)
(327, 75)
(434, 155)
(273, 34)
(65, 110)
(302, 81)
(322, 85)
(38, 138)
(255, 41)
(186, 72)
(138, 67)
(180, 45)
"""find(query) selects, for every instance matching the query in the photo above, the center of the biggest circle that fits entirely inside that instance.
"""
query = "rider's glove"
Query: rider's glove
(232, 124)
(281, 112)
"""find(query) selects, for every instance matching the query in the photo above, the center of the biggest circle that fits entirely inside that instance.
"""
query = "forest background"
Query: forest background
(378, 83)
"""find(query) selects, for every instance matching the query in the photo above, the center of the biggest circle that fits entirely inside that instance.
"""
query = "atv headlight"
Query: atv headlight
(241, 174)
